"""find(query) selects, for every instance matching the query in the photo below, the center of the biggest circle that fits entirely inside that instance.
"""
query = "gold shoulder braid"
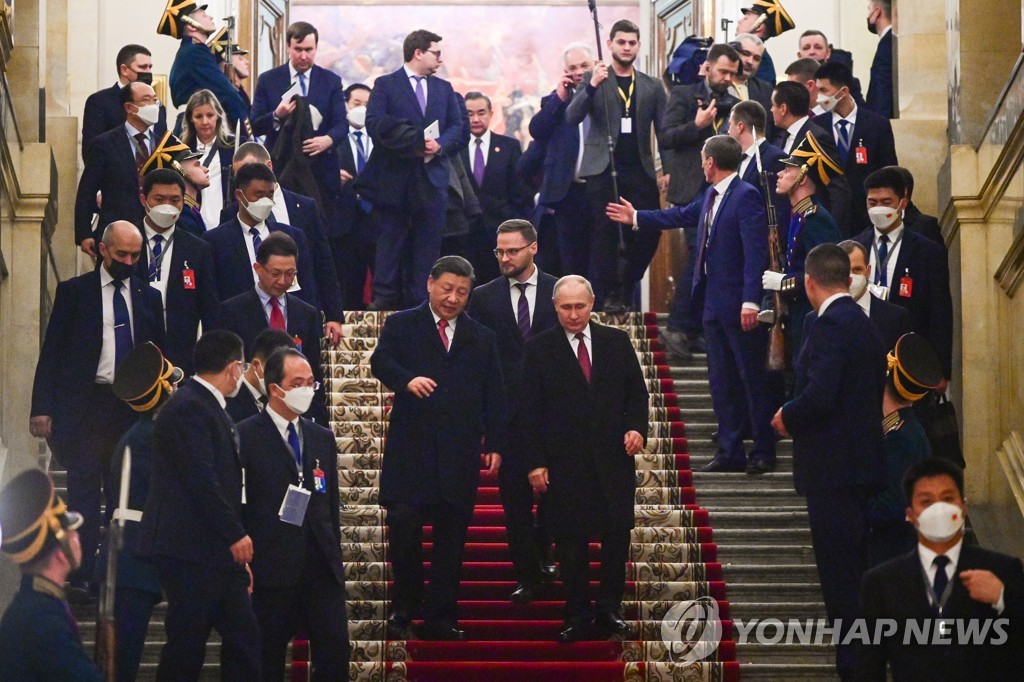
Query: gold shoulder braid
(892, 422)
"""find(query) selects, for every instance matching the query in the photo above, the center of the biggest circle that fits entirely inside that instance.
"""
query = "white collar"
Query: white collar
(257, 396)
(295, 74)
(409, 73)
(724, 184)
(261, 226)
(437, 319)
(265, 297)
(885, 31)
(485, 141)
(795, 128)
(572, 335)
(852, 118)
(106, 278)
(150, 232)
(893, 235)
(532, 279)
(865, 301)
(828, 301)
(927, 556)
(212, 389)
(281, 422)
(749, 151)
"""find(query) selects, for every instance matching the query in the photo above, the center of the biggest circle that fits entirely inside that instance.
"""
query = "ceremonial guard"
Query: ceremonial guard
(174, 154)
(235, 65)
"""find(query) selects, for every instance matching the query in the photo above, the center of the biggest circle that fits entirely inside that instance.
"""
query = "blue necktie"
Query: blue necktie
(155, 260)
(360, 151)
(256, 239)
(302, 83)
(122, 325)
(941, 579)
(523, 310)
(293, 443)
(844, 140)
(881, 267)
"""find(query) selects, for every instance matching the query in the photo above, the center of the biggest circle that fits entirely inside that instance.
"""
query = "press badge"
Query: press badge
(861, 155)
(627, 126)
(293, 506)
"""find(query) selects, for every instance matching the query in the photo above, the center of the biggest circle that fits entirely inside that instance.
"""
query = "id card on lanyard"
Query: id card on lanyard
(626, 125)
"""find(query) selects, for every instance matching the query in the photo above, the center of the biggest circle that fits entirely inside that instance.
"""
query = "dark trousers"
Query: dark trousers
(683, 317)
(202, 597)
(574, 231)
(408, 244)
(548, 259)
(132, 611)
(573, 557)
(314, 605)
(405, 549)
(839, 531)
(889, 541)
(612, 274)
(741, 388)
(528, 538)
(353, 257)
(86, 456)
(482, 241)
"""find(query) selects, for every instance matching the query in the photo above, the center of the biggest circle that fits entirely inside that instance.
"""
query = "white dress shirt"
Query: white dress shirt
(828, 301)
(265, 300)
(165, 259)
(574, 342)
(264, 232)
(792, 131)
(213, 196)
(485, 145)
(895, 242)
(282, 427)
(367, 143)
(212, 389)
(749, 158)
(256, 395)
(105, 369)
(865, 302)
(412, 82)
(927, 558)
(851, 120)
(294, 76)
(132, 131)
(449, 330)
(280, 210)
(531, 293)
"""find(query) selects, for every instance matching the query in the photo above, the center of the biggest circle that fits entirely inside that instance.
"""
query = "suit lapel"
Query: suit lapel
(138, 307)
(406, 87)
(721, 208)
(429, 327)
(572, 360)
(282, 451)
(508, 315)
(125, 146)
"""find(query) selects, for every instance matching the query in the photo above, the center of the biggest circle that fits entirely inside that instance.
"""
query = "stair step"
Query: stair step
(759, 654)
(777, 609)
(774, 672)
(766, 554)
(791, 517)
(743, 592)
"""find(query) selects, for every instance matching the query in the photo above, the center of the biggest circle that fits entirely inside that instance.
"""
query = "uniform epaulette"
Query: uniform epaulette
(892, 422)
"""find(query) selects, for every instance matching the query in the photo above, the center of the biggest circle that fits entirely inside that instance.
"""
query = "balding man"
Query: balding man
(97, 319)
(587, 417)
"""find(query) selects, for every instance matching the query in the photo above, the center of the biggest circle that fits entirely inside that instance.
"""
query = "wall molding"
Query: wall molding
(1011, 457)
(1010, 274)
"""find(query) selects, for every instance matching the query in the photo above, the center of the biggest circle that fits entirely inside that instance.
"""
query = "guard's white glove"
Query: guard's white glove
(766, 317)
(772, 281)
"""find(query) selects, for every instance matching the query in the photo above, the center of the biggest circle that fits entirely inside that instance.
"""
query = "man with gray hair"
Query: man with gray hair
(746, 85)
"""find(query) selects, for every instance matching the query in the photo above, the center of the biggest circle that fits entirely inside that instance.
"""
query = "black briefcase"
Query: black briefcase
(938, 417)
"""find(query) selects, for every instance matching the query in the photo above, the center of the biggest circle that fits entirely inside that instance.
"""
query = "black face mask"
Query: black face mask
(144, 77)
(119, 270)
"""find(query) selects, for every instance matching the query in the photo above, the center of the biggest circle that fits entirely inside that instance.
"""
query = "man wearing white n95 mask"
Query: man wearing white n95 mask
(891, 320)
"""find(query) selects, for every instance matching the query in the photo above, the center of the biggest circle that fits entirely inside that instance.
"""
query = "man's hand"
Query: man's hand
(983, 586)
(285, 109)
(564, 87)
(88, 247)
(634, 442)
(599, 74)
(706, 117)
(249, 571)
(621, 212)
(40, 426)
(317, 145)
(431, 147)
(663, 182)
(748, 319)
(539, 480)
(778, 425)
(332, 332)
(772, 281)
(943, 385)
(421, 387)
(345, 176)
(492, 460)
(241, 551)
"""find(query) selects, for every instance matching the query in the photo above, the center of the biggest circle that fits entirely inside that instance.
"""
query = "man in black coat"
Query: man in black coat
(914, 219)
(354, 242)
(192, 524)
(975, 587)
(92, 327)
(880, 98)
(833, 419)
(587, 417)
(449, 406)
(252, 398)
(517, 306)
(891, 321)
(298, 576)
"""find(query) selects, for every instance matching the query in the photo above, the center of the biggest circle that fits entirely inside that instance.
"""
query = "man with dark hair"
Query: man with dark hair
(837, 444)
(449, 406)
(626, 107)
(177, 264)
(298, 577)
(913, 218)
(253, 399)
(192, 524)
(880, 90)
(103, 109)
(802, 71)
(864, 139)
(814, 45)
(269, 305)
(907, 268)
(491, 161)
(962, 584)
(765, 19)
(891, 320)
(406, 181)
(517, 306)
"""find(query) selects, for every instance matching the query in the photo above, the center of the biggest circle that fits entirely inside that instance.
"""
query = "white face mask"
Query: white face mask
(149, 114)
(299, 399)
(357, 116)
(858, 284)
(163, 216)
(263, 385)
(238, 385)
(883, 216)
(941, 521)
(261, 209)
(829, 102)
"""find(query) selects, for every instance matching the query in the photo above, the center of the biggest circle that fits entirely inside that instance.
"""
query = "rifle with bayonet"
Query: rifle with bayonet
(106, 632)
(776, 360)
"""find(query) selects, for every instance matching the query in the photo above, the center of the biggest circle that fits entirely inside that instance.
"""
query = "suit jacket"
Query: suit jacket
(73, 342)
(880, 95)
(351, 210)
(184, 308)
(891, 320)
(874, 132)
(838, 196)
(650, 110)
(681, 135)
(244, 315)
(433, 445)
(930, 304)
(761, 91)
(926, 225)
(270, 468)
(561, 141)
(771, 161)
(896, 590)
(395, 171)
(306, 216)
(194, 509)
(195, 68)
(109, 168)
(502, 195)
(837, 399)
(233, 268)
(577, 428)
(103, 111)
(324, 92)
(243, 406)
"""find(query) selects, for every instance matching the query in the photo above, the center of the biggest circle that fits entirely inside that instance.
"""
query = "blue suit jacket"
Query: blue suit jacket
(880, 98)
(391, 171)
(109, 168)
(771, 161)
(73, 343)
(233, 268)
(891, 320)
(562, 146)
(323, 92)
(195, 68)
(103, 111)
(836, 409)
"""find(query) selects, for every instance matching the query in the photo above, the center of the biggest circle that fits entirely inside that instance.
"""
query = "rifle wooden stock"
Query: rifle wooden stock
(776, 360)
(106, 635)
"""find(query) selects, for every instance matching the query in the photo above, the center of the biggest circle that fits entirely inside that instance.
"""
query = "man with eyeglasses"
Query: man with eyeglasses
(517, 306)
(269, 305)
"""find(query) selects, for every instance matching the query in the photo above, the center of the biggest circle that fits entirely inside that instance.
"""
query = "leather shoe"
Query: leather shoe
(698, 344)
(760, 466)
(440, 632)
(676, 343)
(383, 305)
(548, 572)
(722, 465)
(523, 594)
(576, 632)
(612, 625)
(398, 625)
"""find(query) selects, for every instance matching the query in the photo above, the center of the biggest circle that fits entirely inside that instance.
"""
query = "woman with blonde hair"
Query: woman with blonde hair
(204, 128)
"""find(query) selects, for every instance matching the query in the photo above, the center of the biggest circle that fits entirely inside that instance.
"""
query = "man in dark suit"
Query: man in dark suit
(252, 398)
(269, 304)
(298, 577)
(586, 404)
(791, 113)
(449, 406)
(833, 419)
(406, 180)
(891, 321)
(746, 85)
(975, 588)
(864, 139)
(517, 307)
(112, 167)
(177, 264)
(624, 103)
(907, 268)
(354, 243)
(880, 89)
(914, 219)
(103, 109)
(491, 161)
(192, 524)
(97, 319)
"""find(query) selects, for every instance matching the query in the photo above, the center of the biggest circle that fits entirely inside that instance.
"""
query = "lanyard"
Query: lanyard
(937, 600)
(882, 265)
(163, 252)
(628, 99)
(209, 155)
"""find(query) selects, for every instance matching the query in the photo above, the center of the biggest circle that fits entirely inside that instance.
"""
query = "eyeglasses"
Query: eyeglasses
(511, 253)
(278, 274)
(436, 53)
(315, 386)
(146, 101)
(245, 366)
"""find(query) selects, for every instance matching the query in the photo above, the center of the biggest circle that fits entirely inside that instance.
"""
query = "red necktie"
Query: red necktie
(442, 326)
(584, 356)
(276, 316)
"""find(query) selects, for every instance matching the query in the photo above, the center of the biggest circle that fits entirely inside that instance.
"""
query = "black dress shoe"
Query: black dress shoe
(523, 594)
(760, 466)
(612, 625)
(440, 632)
(548, 573)
(383, 305)
(721, 465)
(576, 632)
(698, 344)
(398, 625)
(676, 343)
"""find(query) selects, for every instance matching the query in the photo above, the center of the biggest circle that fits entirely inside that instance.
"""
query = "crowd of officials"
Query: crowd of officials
(229, 243)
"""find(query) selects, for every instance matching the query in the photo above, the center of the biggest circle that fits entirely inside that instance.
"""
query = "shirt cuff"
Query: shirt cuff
(636, 219)
(747, 305)
(1000, 605)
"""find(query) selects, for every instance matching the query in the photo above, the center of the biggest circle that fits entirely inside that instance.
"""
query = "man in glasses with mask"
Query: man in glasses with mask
(252, 399)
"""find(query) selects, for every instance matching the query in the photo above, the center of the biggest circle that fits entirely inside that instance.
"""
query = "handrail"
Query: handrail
(1009, 106)
(10, 105)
